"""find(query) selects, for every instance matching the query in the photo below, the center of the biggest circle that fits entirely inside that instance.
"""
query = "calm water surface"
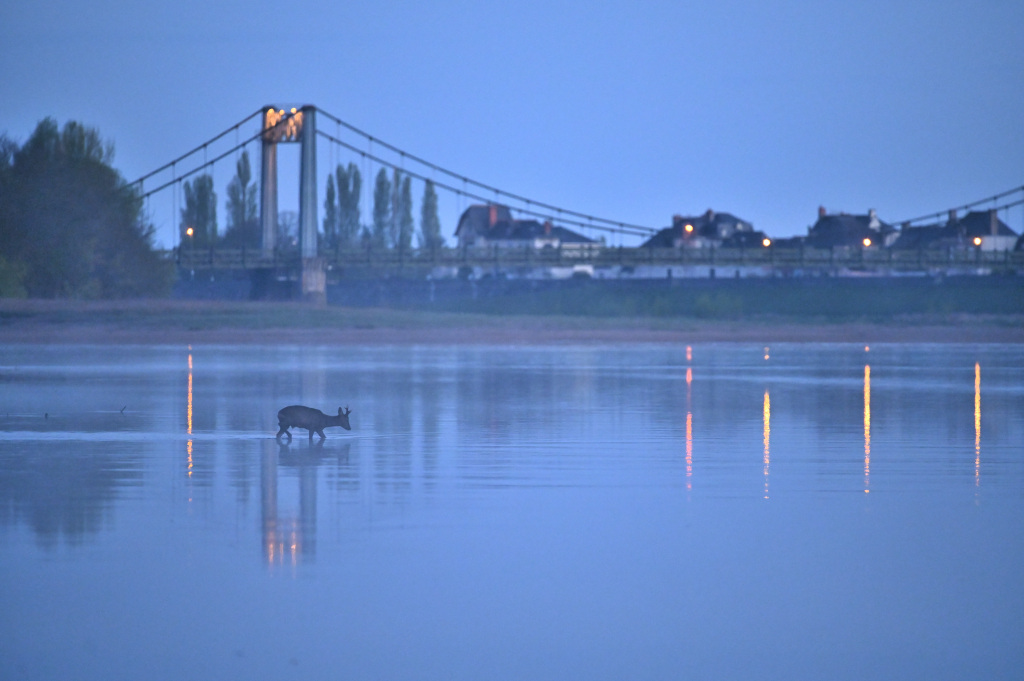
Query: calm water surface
(620, 512)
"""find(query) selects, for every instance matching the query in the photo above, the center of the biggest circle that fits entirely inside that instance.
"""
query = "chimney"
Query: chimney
(873, 222)
(821, 212)
(494, 214)
(952, 217)
(993, 222)
(547, 227)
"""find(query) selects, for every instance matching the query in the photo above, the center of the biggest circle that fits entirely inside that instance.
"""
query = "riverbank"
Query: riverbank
(220, 322)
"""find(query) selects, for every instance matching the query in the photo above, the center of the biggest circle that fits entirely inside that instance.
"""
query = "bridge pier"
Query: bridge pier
(314, 280)
(298, 126)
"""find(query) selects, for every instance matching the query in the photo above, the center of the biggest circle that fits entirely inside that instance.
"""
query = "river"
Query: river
(798, 511)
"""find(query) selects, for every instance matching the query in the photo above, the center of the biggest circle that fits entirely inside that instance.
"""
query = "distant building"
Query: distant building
(843, 229)
(709, 229)
(995, 234)
(493, 225)
(992, 233)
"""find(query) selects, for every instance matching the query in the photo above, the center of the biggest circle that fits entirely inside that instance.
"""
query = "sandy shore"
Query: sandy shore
(191, 322)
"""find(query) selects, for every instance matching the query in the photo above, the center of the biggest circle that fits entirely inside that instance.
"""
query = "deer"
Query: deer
(313, 420)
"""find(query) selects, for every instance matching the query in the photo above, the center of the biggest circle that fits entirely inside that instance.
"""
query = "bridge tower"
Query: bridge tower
(296, 125)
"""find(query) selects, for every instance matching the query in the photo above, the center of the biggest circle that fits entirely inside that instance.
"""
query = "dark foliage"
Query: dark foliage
(70, 226)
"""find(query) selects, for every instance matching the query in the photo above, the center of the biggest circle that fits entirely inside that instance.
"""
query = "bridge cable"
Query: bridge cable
(212, 161)
(641, 229)
(628, 229)
(200, 147)
(968, 206)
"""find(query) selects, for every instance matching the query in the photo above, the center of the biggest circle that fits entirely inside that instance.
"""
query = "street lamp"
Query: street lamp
(189, 232)
(977, 241)
(866, 242)
(766, 242)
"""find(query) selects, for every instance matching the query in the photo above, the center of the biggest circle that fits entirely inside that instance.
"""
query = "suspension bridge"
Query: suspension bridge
(303, 258)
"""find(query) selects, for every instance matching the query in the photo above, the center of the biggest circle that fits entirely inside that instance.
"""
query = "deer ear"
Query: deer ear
(339, 411)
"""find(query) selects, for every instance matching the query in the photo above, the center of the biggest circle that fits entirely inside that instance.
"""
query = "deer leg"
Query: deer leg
(320, 432)
(283, 431)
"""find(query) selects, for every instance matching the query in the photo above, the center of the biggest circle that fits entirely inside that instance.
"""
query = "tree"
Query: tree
(199, 213)
(330, 215)
(430, 225)
(243, 227)
(380, 236)
(350, 188)
(396, 190)
(405, 222)
(287, 229)
(70, 226)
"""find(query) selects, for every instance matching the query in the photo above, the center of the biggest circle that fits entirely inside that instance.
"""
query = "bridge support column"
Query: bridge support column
(314, 280)
(307, 186)
(268, 188)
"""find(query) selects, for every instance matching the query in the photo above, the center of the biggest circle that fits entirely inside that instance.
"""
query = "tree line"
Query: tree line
(70, 225)
(391, 227)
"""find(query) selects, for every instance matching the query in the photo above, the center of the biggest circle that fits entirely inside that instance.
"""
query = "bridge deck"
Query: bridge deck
(807, 259)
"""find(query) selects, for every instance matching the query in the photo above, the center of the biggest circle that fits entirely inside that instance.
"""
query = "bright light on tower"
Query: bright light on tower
(688, 228)
(766, 242)
(866, 242)
(188, 232)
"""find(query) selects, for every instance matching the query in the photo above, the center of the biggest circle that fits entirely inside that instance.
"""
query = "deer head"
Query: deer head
(343, 418)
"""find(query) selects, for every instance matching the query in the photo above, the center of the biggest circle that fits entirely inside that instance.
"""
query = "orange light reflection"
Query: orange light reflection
(767, 439)
(189, 412)
(689, 450)
(977, 424)
(689, 424)
(867, 428)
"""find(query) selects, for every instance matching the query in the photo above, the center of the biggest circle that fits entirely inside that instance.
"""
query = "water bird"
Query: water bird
(313, 420)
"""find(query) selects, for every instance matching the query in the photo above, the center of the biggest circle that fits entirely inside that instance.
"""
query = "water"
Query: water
(621, 512)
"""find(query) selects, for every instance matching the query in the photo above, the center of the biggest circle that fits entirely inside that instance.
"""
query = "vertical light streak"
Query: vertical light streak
(689, 353)
(767, 439)
(189, 445)
(689, 427)
(867, 428)
(766, 353)
(689, 450)
(977, 424)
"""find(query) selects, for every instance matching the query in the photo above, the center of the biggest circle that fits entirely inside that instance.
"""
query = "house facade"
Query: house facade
(976, 229)
(493, 225)
(836, 230)
(703, 231)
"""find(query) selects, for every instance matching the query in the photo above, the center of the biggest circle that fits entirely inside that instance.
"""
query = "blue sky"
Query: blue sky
(631, 111)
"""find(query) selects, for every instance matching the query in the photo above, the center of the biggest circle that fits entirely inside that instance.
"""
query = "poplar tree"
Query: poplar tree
(379, 237)
(350, 188)
(396, 208)
(242, 228)
(330, 215)
(430, 225)
(405, 221)
(199, 213)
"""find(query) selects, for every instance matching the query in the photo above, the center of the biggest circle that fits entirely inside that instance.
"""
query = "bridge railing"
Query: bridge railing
(608, 256)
